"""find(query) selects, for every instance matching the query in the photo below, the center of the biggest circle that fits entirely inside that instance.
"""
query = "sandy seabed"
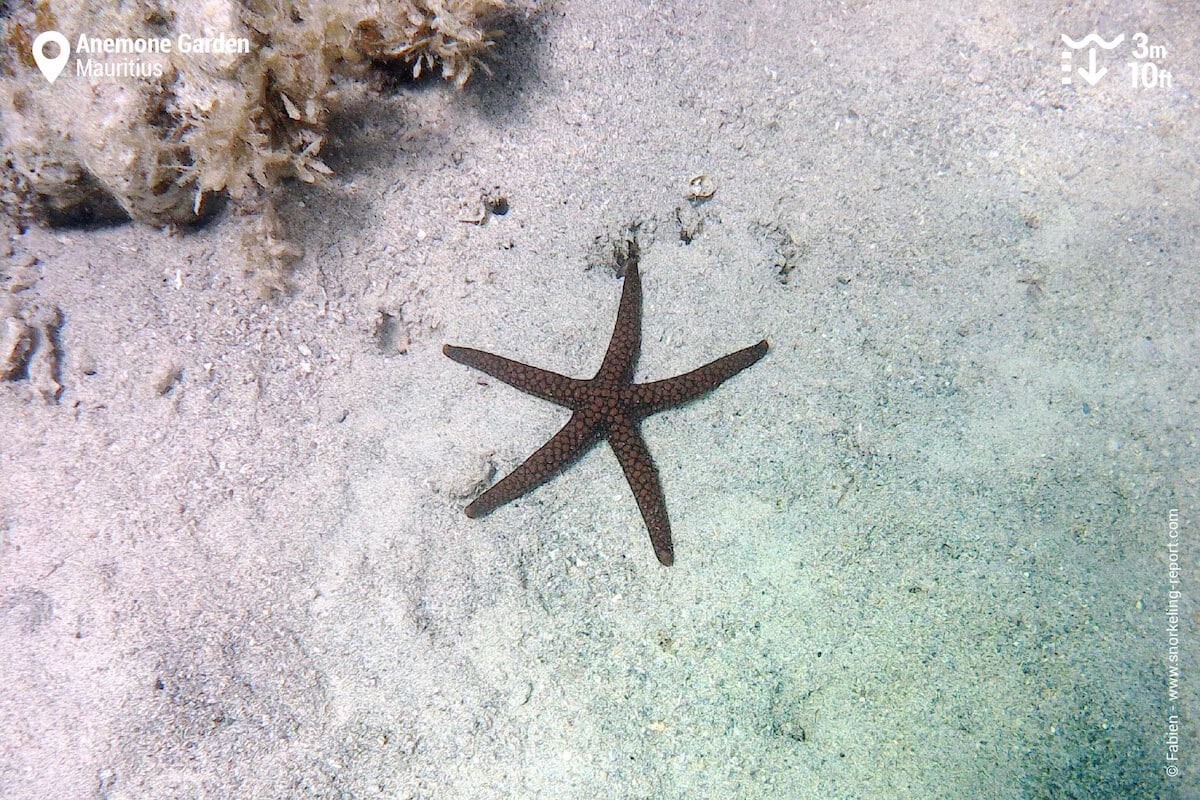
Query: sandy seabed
(923, 548)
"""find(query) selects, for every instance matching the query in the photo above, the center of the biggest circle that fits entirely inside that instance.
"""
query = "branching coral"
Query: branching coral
(431, 32)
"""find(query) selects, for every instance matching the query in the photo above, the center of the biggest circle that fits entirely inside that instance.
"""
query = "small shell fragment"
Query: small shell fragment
(701, 187)
(16, 342)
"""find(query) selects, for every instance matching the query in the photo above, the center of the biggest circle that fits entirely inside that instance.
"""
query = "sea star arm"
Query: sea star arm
(546, 462)
(639, 469)
(621, 356)
(538, 382)
(657, 395)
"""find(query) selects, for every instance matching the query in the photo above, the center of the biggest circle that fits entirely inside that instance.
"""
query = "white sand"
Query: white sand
(921, 546)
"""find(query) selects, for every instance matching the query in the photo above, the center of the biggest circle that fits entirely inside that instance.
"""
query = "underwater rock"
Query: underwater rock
(164, 104)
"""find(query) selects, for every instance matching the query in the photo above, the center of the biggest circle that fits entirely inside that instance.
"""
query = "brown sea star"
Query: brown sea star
(607, 406)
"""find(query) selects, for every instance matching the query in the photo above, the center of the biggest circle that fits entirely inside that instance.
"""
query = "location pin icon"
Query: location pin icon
(51, 67)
